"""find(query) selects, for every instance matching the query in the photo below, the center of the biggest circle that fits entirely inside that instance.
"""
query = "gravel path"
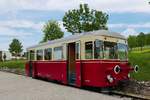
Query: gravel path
(17, 87)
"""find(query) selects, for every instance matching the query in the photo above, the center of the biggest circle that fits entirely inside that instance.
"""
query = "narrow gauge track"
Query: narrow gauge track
(134, 96)
(119, 93)
(112, 92)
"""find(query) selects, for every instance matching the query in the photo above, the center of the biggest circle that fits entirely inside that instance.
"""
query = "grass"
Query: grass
(144, 50)
(141, 58)
(13, 64)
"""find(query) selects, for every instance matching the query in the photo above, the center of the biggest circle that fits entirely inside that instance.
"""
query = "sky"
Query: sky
(24, 19)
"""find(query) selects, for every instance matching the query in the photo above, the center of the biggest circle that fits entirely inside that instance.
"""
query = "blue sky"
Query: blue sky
(24, 19)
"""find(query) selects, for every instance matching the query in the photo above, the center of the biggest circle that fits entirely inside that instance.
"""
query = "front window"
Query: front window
(122, 51)
(110, 50)
(105, 50)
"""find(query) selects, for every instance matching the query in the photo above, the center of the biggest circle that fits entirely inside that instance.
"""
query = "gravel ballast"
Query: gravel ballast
(17, 87)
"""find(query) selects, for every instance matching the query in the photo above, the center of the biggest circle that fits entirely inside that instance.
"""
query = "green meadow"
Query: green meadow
(141, 58)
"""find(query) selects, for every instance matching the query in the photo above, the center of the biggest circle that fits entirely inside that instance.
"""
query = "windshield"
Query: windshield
(122, 51)
(110, 50)
(114, 50)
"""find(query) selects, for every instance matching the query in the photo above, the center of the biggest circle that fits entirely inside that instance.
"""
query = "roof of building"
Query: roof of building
(78, 35)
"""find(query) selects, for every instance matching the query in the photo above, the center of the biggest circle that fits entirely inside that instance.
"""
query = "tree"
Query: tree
(52, 31)
(132, 42)
(84, 20)
(15, 47)
(141, 40)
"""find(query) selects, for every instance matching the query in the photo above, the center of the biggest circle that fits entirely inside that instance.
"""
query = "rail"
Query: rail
(131, 95)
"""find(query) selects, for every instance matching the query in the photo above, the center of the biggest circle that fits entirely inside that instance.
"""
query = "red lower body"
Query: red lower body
(88, 72)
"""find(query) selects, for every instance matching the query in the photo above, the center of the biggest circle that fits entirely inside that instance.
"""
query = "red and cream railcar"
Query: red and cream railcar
(96, 59)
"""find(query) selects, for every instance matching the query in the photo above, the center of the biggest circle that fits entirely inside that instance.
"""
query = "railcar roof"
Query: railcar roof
(76, 36)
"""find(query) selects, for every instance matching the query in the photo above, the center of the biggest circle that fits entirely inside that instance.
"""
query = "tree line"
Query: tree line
(140, 40)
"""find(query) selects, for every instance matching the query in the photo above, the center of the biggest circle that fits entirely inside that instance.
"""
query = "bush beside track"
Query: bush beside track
(14, 66)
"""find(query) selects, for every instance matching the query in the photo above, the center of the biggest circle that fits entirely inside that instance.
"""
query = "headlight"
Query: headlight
(117, 69)
(129, 75)
(110, 78)
(136, 68)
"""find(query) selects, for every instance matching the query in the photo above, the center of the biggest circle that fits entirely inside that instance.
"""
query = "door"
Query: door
(71, 64)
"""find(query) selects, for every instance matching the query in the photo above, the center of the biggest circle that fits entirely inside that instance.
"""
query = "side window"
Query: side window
(39, 55)
(98, 49)
(77, 51)
(89, 50)
(58, 53)
(31, 55)
(48, 54)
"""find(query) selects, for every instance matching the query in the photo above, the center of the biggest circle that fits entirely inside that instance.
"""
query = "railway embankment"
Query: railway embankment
(141, 88)
(13, 70)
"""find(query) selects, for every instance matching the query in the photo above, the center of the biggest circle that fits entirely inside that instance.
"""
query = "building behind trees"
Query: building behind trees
(5, 55)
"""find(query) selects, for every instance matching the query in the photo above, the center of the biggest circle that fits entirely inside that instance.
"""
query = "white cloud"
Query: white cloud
(21, 24)
(121, 5)
(105, 5)
(129, 31)
(136, 25)
(61, 26)
(4, 31)
(10, 27)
